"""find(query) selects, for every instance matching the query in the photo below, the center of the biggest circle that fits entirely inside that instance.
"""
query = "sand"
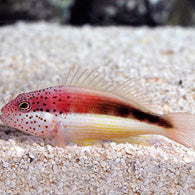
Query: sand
(33, 56)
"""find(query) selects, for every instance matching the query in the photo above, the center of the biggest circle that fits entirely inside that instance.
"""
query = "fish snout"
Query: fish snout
(3, 114)
(2, 117)
(6, 109)
(3, 109)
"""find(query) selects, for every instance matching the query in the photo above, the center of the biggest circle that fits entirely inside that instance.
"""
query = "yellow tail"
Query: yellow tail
(184, 131)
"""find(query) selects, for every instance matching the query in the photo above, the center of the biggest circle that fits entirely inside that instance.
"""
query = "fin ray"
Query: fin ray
(140, 140)
(86, 142)
(79, 77)
(184, 131)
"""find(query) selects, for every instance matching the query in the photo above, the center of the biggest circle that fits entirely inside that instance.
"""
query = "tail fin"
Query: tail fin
(184, 131)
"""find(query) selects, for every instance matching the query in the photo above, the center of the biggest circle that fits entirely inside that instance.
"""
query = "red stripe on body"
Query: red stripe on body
(63, 99)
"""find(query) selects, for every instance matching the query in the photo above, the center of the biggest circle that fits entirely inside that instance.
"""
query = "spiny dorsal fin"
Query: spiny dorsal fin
(79, 77)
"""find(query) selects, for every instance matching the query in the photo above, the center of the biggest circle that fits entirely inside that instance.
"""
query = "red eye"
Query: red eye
(24, 106)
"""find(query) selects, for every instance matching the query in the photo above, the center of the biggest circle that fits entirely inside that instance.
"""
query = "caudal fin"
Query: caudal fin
(184, 128)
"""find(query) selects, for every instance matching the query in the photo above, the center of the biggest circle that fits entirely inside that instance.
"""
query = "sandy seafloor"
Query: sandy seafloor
(33, 56)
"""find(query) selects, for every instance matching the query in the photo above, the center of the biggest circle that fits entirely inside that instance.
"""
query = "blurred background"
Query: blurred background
(148, 40)
(100, 12)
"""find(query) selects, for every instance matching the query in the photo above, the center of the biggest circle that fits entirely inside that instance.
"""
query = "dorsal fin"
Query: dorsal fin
(79, 77)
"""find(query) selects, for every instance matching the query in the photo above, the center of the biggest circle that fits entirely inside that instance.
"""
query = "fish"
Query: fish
(87, 108)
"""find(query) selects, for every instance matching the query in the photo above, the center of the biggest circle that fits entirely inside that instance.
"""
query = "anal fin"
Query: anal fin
(87, 142)
(144, 140)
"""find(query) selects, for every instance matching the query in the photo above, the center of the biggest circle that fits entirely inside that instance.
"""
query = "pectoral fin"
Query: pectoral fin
(59, 141)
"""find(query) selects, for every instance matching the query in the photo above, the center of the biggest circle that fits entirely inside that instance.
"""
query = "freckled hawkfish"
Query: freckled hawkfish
(87, 109)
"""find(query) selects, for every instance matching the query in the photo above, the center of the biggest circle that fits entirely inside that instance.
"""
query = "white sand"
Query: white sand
(34, 56)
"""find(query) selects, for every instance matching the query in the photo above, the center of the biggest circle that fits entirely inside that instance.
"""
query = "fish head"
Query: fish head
(25, 113)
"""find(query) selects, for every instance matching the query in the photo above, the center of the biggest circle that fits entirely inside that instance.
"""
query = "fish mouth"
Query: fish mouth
(2, 116)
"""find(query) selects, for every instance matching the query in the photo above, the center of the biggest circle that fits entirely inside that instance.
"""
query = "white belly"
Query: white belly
(103, 127)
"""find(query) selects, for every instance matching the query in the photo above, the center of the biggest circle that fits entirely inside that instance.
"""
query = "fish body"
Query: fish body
(80, 114)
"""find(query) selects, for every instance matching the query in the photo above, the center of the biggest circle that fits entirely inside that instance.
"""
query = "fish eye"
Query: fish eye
(24, 106)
